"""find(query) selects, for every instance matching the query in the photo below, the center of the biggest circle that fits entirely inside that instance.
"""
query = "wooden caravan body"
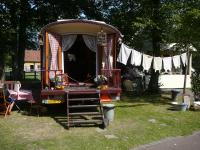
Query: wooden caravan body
(79, 62)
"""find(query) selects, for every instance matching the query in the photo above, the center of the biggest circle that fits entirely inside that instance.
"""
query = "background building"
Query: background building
(32, 61)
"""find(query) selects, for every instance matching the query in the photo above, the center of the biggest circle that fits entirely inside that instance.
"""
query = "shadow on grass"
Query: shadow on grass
(157, 99)
(190, 109)
(171, 108)
(63, 122)
(59, 114)
(124, 106)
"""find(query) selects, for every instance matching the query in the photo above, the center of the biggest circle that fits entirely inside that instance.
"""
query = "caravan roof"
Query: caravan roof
(73, 26)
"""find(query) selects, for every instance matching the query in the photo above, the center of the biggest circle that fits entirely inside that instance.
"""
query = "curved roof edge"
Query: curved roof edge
(66, 21)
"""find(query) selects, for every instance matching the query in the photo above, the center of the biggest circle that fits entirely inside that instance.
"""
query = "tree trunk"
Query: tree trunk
(14, 43)
(22, 38)
(21, 51)
(2, 68)
(156, 41)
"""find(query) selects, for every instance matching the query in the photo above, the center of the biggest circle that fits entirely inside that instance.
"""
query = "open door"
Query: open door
(80, 62)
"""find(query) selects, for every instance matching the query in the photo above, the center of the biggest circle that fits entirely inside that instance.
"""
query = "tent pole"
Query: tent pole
(186, 72)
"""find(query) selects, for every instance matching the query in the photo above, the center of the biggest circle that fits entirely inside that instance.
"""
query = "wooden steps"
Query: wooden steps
(85, 113)
(84, 96)
(83, 106)
(85, 99)
(84, 121)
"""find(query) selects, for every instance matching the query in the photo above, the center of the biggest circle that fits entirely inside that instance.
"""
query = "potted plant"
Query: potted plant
(98, 79)
(52, 81)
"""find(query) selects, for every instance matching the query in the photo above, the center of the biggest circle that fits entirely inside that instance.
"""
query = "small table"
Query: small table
(21, 95)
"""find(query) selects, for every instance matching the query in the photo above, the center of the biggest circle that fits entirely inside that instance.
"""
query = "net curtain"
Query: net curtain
(91, 42)
(68, 41)
(108, 49)
(54, 44)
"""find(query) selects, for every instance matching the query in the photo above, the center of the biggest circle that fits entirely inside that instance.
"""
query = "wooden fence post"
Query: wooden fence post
(10, 75)
(35, 75)
(24, 75)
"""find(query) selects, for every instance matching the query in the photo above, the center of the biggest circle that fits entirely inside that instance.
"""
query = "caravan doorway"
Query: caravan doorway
(80, 62)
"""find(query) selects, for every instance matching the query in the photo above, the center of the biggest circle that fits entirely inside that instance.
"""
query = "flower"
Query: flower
(58, 79)
(98, 78)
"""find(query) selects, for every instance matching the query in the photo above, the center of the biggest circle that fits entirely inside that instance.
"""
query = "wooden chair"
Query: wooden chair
(9, 84)
(130, 86)
(4, 104)
(37, 104)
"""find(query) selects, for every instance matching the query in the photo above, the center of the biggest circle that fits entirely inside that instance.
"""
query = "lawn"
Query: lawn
(29, 77)
(130, 126)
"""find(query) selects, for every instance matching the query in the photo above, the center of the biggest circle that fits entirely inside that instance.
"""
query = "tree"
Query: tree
(156, 21)
(22, 19)
(145, 20)
(7, 33)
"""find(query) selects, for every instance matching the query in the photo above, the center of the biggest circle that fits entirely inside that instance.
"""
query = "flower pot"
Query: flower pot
(58, 84)
(99, 82)
(52, 84)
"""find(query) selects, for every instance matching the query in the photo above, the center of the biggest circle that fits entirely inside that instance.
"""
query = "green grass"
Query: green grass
(130, 125)
(29, 77)
(190, 88)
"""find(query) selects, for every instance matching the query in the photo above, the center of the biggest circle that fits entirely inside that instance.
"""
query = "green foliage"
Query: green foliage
(8, 60)
(58, 79)
(139, 21)
(157, 22)
(196, 81)
(166, 21)
(21, 20)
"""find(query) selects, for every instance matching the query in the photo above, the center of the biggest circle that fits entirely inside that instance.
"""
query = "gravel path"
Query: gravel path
(189, 142)
(187, 91)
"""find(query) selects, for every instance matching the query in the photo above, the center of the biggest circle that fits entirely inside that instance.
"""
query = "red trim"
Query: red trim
(52, 92)
(114, 90)
(75, 83)
(62, 92)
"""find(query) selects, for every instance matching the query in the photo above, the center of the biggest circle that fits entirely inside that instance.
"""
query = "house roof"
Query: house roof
(32, 56)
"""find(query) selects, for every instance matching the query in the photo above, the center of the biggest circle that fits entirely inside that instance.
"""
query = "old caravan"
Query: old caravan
(69, 51)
